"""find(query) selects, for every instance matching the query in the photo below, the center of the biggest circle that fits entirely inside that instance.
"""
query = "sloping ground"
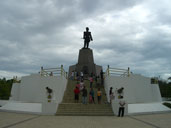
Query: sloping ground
(69, 107)
(13, 106)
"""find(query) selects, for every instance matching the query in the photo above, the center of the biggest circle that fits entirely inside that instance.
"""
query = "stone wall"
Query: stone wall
(137, 88)
(33, 88)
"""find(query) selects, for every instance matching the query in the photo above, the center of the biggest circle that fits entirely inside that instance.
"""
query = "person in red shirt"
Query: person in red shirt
(76, 92)
(78, 85)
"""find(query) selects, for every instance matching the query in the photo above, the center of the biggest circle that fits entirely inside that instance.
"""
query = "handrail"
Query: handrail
(16, 79)
(53, 72)
(117, 69)
(117, 72)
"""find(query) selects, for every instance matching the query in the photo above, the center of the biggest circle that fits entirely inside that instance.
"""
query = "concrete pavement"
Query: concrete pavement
(14, 120)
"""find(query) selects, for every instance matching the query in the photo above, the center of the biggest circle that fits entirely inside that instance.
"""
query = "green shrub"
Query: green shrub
(167, 104)
(5, 88)
(165, 89)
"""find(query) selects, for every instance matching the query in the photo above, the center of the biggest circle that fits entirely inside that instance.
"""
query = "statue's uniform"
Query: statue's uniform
(87, 37)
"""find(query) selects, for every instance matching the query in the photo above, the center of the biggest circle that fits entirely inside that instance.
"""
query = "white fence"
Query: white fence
(53, 71)
(117, 72)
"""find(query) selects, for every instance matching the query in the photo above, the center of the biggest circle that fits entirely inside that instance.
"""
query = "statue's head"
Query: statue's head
(87, 28)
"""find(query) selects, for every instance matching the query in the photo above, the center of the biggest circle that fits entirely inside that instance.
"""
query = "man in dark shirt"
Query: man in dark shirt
(87, 37)
(84, 95)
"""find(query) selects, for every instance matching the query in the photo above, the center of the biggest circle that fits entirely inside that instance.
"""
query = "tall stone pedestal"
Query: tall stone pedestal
(85, 63)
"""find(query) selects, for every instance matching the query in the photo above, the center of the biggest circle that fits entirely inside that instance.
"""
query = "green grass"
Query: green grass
(167, 104)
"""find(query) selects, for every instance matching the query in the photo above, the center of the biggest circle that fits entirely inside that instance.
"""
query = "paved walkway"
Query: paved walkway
(13, 120)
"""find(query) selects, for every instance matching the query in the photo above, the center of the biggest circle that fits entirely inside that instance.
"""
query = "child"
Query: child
(90, 98)
(99, 94)
(92, 95)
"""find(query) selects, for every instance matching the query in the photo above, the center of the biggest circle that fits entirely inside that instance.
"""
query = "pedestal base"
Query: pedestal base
(86, 64)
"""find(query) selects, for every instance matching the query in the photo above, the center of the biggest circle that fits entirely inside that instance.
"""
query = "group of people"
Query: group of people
(80, 88)
(118, 94)
(80, 76)
(76, 76)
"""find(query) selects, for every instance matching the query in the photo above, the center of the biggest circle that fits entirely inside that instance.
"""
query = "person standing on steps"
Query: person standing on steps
(72, 75)
(81, 85)
(91, 81)
(95, 79)
(111, 95)
(101, 76)
(77, 76)
(84, 95)
(121, 107)
(82, 76)
(92, 95)
(87, 38)
(99, 95)
(76, 92)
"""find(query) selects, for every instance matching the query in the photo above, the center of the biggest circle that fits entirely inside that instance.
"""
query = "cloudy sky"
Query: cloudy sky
(126, 33)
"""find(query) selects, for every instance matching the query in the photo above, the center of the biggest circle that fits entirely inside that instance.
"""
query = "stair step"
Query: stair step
(92, 113)
(68, 107)
(87, 110)
(83, 114)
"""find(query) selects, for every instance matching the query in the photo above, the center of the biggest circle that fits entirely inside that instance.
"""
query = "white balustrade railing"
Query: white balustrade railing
(59, 71)
(117, 71)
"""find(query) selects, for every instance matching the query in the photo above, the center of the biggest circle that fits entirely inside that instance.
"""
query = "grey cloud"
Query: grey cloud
(97, 7)
(24, 19)
(39, 33)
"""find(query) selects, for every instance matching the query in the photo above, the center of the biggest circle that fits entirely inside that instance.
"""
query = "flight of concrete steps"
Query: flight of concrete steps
(69, 107)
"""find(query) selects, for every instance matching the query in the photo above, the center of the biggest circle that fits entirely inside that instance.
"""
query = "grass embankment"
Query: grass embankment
(167, 104)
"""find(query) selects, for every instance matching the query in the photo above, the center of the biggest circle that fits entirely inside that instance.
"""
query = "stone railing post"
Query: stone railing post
(128, 71)
(41, 71)
(108, 72)
(61, 70)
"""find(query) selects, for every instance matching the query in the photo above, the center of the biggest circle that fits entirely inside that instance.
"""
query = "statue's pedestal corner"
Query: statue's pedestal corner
(85, 48)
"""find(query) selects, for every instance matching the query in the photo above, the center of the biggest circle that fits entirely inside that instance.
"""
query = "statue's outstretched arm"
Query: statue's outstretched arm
(91, 37)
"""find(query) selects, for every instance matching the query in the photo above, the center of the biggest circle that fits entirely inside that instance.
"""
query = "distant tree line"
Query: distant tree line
(5, 88)
(6, 85)
(165, 89)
